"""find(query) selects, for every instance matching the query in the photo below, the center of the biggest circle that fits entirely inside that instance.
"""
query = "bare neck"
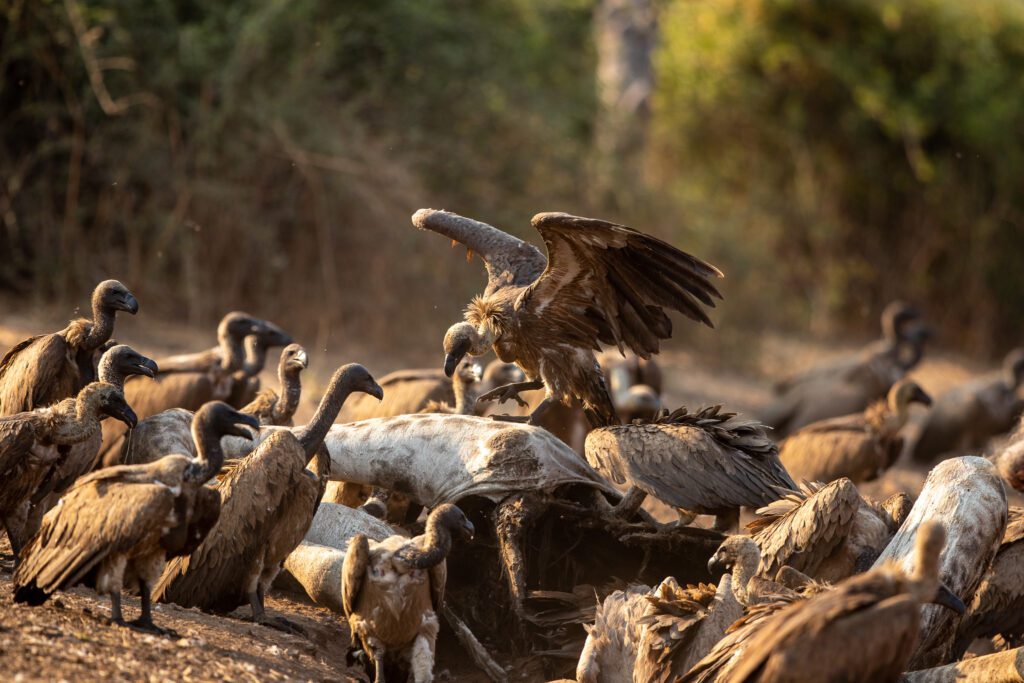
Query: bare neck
(102, 326)
(73, 421)
(465, 395)
(110, 373)
(255, 357)
(428, 550)
(209, 454)
(232, 352)
(742, 572)
(330, 405)
(291, 393)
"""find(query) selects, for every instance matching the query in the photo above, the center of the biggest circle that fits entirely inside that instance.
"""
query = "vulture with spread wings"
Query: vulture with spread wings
(601, 283)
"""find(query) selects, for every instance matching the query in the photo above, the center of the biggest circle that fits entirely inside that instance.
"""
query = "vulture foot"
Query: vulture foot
(630, 503)
(284, 625)
(521, 419)
(510, 392)
(147, 626)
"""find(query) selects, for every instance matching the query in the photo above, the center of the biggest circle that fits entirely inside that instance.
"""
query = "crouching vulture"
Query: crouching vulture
(121, 523)
(268, 502)
(601, 283)
(860, 446)
(708, 462)
(48, 368)
(392, 591)
(35, 442)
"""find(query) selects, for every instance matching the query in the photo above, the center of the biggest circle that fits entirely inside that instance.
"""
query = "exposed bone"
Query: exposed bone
(967, 496)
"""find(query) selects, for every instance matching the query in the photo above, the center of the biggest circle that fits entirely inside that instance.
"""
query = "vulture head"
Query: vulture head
(897, 319)
(357, 378)
(470, 372)
(294, 359)
(100, 398)
(111, 295)
(639, 402)
(237, 326)
(926, 586)
(905, 392)
(270, 335)
(452, 518)
(735, 551)
(462, 339)
(219, 419)
(122, 360)
(1013, 367)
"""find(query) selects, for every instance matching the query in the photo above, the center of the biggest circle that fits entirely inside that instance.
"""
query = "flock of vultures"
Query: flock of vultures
(444, 497)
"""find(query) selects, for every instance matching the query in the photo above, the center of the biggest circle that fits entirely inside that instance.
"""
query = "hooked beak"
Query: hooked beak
(241, 421)
(468, 530)
(949, 600)
(274, 335)
(120, 410)
(129, 305)
(376, 391)
(147, 367)
(921, 397)
(302, 358)
(716, 567)
(451, 361)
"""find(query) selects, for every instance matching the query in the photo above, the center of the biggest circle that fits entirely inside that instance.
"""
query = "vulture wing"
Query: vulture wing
(804, 535)
(17, 435)
(93, 521)
(353, 571)
(201, 361)
(37, 372)
(609, 283)
(510, 261)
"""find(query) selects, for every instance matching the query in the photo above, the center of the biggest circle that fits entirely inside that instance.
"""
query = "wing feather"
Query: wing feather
(37, 372)
(353, 571)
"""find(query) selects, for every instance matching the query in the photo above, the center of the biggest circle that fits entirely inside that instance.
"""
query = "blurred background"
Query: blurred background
(267, 154)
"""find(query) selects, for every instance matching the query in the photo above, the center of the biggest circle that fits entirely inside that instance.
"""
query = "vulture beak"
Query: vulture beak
(451, 361)
(130, 304)
(468, 530)
(147, 367)
(921, 397)
(120, 410)
(375, 390)
(716, 566)
(302, 358)
(949, 600)
(237, 428)
(274, 335)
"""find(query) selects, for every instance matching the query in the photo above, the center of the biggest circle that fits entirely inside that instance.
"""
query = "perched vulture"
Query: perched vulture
(968, 416)
(863, 630)
(860, 446)
(33, 443)
(601, 283)
(998, 606)
(50, 367)
(708, 462)
(851, 384)
(393, 590)
(826, 531)
(273, 408)
(268, 502)
(121, 523)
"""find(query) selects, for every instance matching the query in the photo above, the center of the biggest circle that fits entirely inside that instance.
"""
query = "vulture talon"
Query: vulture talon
(510, 392)
(147, 626)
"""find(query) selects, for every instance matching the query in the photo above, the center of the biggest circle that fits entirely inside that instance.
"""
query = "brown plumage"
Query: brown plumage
(862, 630)
(601, 283)
(465, 386)
(966, 417)
(120, 524)
(273, 408)
(613, 640)
(405, 392)
(268, 502)
(998, 606)
(48, 368)
(851, 384)
(860, 446)
(740, 556)
(709, 462)
(393, 590)
(33, 443)
(826, 531)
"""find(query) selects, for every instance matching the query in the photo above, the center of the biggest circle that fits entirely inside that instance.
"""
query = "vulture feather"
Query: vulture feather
(273, 408)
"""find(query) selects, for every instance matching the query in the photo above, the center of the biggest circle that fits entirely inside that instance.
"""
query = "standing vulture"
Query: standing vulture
(860, 446)
(968, 416)
(708, 462)
(121, 523)
(393, 590)
(863, 631)
(273, 408)
(245, 384)
(268, 502)
(601, 283)
(50, 367)
(851, 384)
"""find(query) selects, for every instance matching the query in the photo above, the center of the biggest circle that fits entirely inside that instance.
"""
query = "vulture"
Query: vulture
(273, 408)
(268, 499)
(968, 416)
(405, 392)
(863, 630)
(34, 442)
(635, 385)
(1009, 460)
(601, 283)
(613, 640)
(827, 531)
(392, 591)
(740, 556)
(860, 446)
(851, 384)
(465, 383)
(998, 606)
(245, 383)
(707, 462)
(120, 524)
(48, 368)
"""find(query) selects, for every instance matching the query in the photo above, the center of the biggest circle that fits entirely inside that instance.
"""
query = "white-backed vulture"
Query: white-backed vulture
(851, 384)
(405, 392)
(273, 408)
(35, 442)
(393, 590)
(118, 525)
(245, 383)
(708, 462)
(740, 556)
(465, 387)
(828, 532)
(967, 416)
(48, 368)
(268, 499)
(859, 446)
(862, 631)
(998, 605)
(613, 640)
(601, 283)
(635, 385)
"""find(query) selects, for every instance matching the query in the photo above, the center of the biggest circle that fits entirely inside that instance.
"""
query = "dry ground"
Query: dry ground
(69, 638)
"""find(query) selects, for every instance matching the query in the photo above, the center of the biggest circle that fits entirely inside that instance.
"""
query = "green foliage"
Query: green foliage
(880, 142)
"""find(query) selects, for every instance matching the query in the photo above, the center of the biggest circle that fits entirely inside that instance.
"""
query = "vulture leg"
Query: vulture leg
(513, 516)
(257, 599)
(727, 521)
(421, 658)
(16, 524)
(630, 503)
(542, 408)
(145, 620)
(510, 392)
(115, 609)
(685, 517)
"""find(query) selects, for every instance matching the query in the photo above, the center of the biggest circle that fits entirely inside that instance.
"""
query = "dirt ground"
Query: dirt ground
(69, 638)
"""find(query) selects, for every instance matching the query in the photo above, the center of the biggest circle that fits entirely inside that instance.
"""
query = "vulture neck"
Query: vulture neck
(914, 352)
(102, 325)
(110, 373)
(428, 550)
(209, 455)
(255, 357)
(232, 351)
(291, 392)
(465, 395)
(74, 420)
(330, 405)
(747, 561)
(899, 413)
